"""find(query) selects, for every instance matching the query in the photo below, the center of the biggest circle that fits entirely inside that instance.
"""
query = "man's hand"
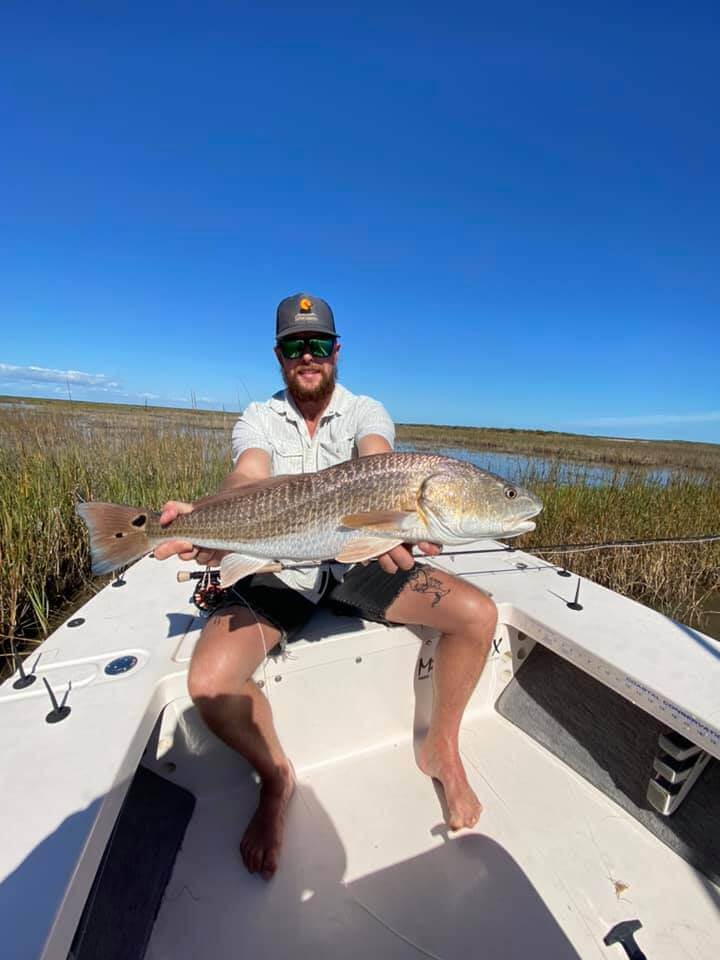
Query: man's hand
(183, 548)
(401, 558)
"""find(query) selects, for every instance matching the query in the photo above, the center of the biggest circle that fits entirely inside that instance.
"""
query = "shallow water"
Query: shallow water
(517, 468)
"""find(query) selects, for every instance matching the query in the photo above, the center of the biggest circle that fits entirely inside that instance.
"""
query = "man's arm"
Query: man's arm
(399, 557)
(373, 443)
(252, 465)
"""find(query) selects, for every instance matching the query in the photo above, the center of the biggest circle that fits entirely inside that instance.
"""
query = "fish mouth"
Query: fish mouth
(524, 526)
(521, 522)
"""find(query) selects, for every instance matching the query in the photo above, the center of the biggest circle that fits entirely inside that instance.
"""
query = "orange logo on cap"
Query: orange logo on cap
(305, 304)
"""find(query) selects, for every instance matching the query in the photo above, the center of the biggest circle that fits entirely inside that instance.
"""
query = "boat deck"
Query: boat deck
(368, 865)
(369, 868)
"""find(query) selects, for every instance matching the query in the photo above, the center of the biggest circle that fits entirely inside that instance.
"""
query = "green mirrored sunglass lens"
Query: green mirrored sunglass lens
(321, 348)
(291, 349)
(318, 347)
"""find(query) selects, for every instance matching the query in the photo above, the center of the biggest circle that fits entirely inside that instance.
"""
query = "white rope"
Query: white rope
(552, 548)
(585, 547)
(617, 545)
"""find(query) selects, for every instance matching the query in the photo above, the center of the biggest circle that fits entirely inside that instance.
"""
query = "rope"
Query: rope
(587, 547)
(553, 548)
(534, 551)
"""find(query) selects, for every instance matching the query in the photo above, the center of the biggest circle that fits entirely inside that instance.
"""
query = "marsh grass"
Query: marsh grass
(49, 461)
(678, 579)
(54, 454)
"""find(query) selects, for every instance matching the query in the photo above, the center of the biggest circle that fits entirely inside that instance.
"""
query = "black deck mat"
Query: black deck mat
(612, 743)
(125, 897)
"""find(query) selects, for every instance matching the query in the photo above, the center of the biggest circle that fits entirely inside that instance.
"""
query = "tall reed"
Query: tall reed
(48, 462)
(677, 579)
(52, 456)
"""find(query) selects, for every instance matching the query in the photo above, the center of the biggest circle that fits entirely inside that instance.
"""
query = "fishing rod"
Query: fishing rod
(586, 547)
(275, 567)
(208, 593)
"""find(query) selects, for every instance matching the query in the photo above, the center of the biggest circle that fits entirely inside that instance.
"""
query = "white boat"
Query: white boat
(589, 704)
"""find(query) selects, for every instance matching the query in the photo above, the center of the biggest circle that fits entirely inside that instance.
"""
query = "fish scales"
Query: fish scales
(304, 502)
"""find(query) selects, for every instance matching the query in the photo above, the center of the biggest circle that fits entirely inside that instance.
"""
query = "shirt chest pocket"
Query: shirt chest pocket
(287, 456)
(336, 448)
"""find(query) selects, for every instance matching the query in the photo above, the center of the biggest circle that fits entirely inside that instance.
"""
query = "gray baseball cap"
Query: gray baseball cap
(303, 313)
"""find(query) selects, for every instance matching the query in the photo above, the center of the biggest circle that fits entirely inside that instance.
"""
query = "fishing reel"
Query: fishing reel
(208, 595)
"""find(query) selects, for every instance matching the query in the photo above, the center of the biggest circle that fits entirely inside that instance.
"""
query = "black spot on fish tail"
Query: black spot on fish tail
(118, 534)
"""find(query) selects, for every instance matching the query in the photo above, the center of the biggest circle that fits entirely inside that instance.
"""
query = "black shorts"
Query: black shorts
(366, 592)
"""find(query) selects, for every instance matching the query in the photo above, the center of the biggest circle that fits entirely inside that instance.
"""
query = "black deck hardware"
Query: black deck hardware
(573, 604)
(60, 710)
(624, 933)
(570, 604)
(25, 679)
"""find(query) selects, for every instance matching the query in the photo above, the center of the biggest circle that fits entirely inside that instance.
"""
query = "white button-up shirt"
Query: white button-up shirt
(279, 428)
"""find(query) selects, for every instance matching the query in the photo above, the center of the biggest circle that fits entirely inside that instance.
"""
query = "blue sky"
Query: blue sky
(513, 209)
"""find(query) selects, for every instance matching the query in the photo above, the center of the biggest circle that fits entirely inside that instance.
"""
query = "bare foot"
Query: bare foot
(445, 765)
(261, 842)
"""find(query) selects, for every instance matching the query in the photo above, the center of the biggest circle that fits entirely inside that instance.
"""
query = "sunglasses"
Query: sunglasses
(293, 348)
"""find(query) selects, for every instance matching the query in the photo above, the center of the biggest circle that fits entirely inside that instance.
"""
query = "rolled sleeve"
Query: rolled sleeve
(373, 418)
(249, 434)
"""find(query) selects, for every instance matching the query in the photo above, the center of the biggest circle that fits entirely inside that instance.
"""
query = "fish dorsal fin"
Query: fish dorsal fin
(365, 548)
(235, 566)
(389, 521)
(227, 495)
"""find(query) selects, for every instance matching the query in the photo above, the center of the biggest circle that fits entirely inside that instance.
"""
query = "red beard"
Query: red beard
(322, 391)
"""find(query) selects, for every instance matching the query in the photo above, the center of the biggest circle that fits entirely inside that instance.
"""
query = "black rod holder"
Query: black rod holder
(25, 679)
(60, 710)
(573, 604)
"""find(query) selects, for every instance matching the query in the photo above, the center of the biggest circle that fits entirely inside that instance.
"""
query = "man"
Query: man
(312, 424)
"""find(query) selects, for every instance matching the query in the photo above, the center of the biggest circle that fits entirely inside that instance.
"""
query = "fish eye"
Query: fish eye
(510, 492)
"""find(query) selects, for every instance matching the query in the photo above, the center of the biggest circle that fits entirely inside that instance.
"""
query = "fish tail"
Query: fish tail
(118, 535)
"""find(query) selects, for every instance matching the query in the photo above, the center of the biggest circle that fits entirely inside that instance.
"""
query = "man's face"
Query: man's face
(308, 377)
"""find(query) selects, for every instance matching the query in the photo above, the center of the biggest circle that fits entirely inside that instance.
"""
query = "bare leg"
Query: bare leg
(227, 654)
(467, 618)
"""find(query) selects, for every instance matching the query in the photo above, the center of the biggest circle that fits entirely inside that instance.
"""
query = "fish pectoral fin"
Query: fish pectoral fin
(380, 520)
(235, 566)
(365, 548)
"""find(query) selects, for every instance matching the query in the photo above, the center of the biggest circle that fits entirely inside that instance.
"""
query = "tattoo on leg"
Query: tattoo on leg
(422, 581)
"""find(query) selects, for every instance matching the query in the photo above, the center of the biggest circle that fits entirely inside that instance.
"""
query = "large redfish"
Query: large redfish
(350, 512)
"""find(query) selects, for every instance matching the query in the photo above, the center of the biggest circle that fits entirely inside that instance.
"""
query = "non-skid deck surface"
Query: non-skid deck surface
(138, 861)
(369, 870)
(612, 744)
